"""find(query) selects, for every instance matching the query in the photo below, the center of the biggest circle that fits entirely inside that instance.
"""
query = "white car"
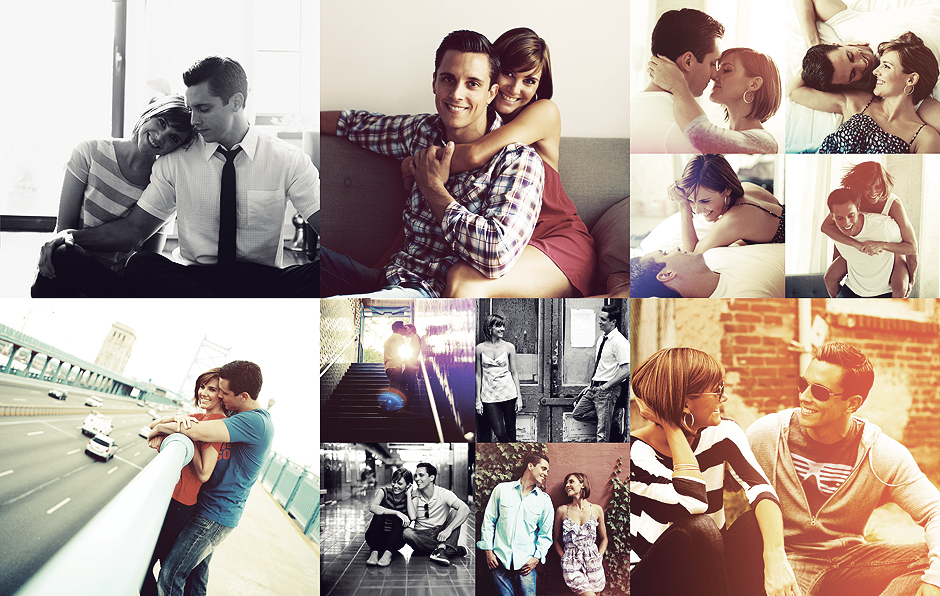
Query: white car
(96, 424)
(145, 431)
(153, 414)
(94, 402)
(101, 446)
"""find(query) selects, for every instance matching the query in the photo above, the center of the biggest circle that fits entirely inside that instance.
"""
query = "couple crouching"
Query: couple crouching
(518, 528)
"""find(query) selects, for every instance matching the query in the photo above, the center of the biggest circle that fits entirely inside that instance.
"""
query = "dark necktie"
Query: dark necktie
(598, 359)
(227, 220)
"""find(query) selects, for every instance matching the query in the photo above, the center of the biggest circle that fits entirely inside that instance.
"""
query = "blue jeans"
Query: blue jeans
(192, 551)
(342, 276)
(513, 583)
(596, 404)
(869, 569)
(177, 516)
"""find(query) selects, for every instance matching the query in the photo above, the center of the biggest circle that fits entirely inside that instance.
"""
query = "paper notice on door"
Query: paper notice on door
(583, 328)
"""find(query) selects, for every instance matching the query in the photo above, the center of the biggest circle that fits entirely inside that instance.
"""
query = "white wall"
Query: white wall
(379, 56)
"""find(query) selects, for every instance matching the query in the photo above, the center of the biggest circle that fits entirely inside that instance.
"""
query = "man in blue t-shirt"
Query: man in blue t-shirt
(246, 437)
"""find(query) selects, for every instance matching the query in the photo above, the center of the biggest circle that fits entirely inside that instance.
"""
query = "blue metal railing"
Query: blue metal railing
(297, 489)
(141, 507)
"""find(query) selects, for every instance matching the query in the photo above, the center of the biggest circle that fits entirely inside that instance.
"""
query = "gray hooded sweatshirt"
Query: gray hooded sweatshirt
(884, 472)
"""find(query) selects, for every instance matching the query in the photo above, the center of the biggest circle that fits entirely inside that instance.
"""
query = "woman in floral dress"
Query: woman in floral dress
(579, 525)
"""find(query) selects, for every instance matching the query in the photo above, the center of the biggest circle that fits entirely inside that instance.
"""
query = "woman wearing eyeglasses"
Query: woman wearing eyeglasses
(678, 540)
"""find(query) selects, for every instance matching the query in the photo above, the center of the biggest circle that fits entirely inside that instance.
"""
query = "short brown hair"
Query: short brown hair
(533, 458)
(712, 172)
(586, 489)
(858, 375)
(667, 378)
(914, 57)
(522, 50)
(767, 99)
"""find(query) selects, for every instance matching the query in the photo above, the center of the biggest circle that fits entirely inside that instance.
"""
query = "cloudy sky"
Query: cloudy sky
(281, 336)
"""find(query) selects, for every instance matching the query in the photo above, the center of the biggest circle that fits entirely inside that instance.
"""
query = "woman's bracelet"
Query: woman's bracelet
(686, 468)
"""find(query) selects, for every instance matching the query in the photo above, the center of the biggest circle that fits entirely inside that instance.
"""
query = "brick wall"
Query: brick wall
(752, 339)
(339, 321)
(761, 369)
(903, 400)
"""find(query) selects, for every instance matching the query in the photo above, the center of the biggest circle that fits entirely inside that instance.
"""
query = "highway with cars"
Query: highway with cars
(49, 486)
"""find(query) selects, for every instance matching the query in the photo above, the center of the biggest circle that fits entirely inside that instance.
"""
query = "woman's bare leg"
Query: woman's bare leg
(533, 276)
(838, 269)
(900, 278)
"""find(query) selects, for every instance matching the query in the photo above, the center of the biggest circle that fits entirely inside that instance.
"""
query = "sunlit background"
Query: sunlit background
(279, 335)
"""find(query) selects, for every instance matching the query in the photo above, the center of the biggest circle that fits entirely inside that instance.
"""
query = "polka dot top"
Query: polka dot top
(861, 134)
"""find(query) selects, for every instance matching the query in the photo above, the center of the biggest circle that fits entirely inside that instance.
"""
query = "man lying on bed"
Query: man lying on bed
(831, 67)
(750, 271)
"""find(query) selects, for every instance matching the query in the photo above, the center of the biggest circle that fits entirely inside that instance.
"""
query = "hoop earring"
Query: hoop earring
(745, 97)
(692, 425)
(906, 92)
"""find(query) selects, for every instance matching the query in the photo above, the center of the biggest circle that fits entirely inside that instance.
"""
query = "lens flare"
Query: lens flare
(391, 400)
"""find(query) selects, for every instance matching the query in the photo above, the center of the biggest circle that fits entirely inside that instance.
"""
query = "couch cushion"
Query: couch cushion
(612, 240)
(363, 195)
(595, 174)
(362, 200)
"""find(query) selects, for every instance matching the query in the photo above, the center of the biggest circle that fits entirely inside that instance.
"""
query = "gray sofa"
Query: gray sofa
(363, 198)
(806, 285)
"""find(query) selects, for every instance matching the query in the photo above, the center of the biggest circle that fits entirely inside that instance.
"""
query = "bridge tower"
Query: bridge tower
(208, 355)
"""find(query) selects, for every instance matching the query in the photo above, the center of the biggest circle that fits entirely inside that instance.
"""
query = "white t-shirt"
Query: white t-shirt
(752, 271)
(882, 25)
(870, 275)
(653, 127)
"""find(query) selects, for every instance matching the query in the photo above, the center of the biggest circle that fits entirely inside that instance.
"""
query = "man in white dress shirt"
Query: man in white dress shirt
(611, 365)
(268, 173)
(689, 38)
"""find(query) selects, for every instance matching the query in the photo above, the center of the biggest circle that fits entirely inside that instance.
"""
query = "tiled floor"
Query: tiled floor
(344, 554)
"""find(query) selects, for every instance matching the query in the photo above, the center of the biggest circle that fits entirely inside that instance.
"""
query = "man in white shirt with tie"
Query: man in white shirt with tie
(229, 247)
(611, 366)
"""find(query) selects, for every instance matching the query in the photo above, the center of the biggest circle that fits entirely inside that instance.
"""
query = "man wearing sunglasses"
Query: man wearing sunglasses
(440, 515)
(831, 470)
(517, 528)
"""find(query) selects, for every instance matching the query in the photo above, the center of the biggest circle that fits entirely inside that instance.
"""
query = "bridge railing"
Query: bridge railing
(126, 529)
(297, 489)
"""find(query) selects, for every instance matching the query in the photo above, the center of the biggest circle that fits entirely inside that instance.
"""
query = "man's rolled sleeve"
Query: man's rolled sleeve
(304, 188)
(493, 240)
(488, 531)
(159, 198)
(393, 136)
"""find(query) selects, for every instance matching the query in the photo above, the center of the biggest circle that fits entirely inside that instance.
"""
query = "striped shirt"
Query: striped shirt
(269, 173)
(496, 208)
(108, 195)
(657, 499)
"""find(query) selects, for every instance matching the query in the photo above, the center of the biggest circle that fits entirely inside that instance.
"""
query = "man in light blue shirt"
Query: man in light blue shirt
(517, 529)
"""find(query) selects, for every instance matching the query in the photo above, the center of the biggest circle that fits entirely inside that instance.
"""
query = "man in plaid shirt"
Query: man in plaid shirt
(484, 217)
